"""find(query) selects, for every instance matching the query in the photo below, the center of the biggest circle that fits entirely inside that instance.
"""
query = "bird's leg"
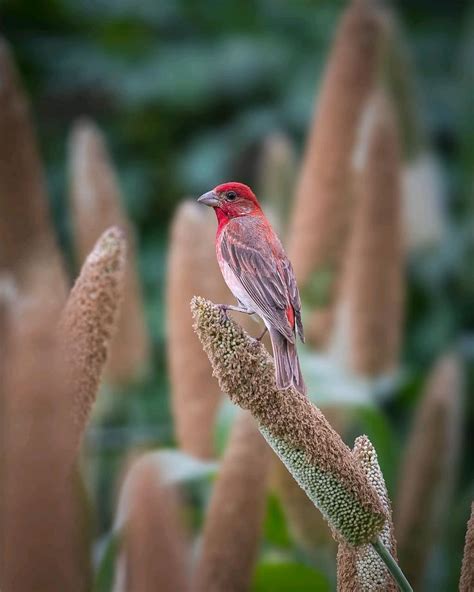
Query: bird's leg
(226, 307)
(260, 337)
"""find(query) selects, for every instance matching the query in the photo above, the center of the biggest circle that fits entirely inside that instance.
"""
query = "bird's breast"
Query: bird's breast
(233, 283)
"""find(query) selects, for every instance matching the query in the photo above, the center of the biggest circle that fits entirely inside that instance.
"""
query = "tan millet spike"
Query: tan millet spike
(373, 282)
(323, 205)
(297, 431)
(89, 321)
(467, 571)
(7, 298)
(276, 179)
(154, 542)
(192, 268)
(428, 468)
(361, 569)
(232, 530)
(96, 204)
(26, 230)
(39, 504)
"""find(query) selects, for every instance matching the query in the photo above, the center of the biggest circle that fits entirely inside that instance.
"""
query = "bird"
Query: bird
(259, 274)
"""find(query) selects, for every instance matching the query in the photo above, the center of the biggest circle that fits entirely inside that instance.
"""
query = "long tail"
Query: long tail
(287, 364)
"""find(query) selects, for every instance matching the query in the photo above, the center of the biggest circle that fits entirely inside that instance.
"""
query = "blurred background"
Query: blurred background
(137, 106)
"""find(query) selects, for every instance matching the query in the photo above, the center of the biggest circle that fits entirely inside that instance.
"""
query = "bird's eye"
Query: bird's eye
(231, 195)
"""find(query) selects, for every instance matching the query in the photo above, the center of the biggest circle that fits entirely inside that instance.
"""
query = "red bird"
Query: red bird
(259, 274)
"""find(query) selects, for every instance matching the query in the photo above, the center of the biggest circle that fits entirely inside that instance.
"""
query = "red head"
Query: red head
(231, 200)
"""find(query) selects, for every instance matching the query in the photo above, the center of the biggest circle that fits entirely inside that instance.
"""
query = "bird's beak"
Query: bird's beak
(209, 199)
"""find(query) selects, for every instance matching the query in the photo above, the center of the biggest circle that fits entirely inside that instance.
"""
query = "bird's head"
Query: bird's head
(231, 200)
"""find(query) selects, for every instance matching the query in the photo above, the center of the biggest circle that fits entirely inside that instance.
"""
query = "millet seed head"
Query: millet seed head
(297, 430)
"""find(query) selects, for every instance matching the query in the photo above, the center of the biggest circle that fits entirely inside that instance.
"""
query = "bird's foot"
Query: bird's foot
(226, 307)
(261, 336)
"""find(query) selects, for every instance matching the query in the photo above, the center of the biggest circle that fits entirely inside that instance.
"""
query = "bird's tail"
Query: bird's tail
(287, 364)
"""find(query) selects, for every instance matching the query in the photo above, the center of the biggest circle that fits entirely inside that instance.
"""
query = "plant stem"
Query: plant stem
(392, 566)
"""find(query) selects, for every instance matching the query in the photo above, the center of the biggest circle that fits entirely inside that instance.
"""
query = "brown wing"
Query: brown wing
(264, 272)
(294, 295)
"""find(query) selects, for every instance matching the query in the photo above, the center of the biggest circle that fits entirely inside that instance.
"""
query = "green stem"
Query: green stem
(392, 566)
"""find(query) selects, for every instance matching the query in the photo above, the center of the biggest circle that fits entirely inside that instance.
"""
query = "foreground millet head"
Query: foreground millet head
(360, 568)
(259, 274)
(298, 432)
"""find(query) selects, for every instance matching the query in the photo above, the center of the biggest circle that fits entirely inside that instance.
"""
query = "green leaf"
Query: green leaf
(275, 529)
(105, 573)
(282, 577)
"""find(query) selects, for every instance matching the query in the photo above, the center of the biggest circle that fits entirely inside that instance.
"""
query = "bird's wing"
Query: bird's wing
(260, 269)
(294, 294)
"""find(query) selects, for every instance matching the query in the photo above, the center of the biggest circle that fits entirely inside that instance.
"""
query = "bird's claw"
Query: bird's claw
(224, 310)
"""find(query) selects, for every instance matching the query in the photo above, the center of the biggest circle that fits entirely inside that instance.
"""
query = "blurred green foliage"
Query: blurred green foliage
(281, 576)
(105, 573)
(275, 529)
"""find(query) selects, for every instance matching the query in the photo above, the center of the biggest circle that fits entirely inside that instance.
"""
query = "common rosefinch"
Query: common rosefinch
(259, 274)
